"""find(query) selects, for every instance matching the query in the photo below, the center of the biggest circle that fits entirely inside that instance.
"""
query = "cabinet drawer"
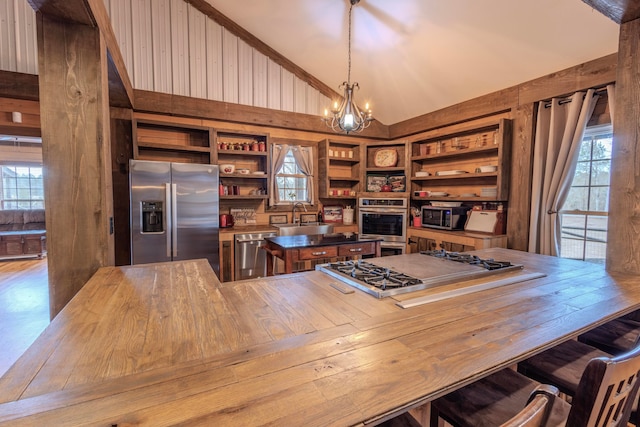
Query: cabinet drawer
(359, 249)
(315, 253)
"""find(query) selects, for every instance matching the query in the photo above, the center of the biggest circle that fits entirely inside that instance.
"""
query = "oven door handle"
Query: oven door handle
(383, 210)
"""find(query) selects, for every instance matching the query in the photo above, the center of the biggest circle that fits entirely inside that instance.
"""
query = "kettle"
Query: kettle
(226, 220)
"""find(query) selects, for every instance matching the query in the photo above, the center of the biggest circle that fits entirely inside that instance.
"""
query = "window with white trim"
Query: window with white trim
(291, 183)
(585, 213)
(21, 187)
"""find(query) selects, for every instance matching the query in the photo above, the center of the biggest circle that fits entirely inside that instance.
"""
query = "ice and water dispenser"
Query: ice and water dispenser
(152, 221)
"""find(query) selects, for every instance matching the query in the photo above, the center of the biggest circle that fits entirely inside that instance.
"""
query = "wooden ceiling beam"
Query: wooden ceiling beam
(94, 14)
(620, 11)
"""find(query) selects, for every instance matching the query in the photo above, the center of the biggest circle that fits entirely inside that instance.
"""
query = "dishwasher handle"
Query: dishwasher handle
(253, 238)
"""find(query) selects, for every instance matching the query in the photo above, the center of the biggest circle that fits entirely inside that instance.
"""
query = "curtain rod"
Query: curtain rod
(568, 99)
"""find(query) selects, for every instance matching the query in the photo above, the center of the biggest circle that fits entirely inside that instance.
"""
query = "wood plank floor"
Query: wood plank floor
(24, 306)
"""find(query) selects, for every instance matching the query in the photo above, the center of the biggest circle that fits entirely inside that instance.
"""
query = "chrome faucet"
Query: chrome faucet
(293, 212)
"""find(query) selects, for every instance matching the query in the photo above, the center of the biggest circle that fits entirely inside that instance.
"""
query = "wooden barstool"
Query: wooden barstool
(615, 337)
(604, 396)
(563, 365)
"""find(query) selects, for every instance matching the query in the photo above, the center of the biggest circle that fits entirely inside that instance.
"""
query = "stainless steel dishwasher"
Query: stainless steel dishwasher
(251, 261)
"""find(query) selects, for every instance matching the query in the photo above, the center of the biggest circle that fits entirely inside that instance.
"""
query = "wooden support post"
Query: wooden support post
(623, 244)
(74, 108)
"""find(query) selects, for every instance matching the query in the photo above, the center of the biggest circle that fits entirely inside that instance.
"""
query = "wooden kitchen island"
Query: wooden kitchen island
(166, 344)
(293, 249)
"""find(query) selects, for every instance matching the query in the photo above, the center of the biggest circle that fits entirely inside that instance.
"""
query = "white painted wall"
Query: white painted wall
(169, 46)
(18, 42)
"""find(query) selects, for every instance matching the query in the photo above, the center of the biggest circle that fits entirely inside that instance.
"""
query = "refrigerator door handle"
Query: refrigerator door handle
(174, 214)
(169, 231)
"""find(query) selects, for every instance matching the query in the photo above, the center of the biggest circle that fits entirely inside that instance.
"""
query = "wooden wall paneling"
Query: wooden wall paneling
(155, 102)
(26, 41)
(274, 86)
(120, 14)
(487, 105)
(8, 51)
(180, 47)
(299, 95)
(214, 61)
(30, 111)
(598, 72)
(121, 153)
(623, 245)
(161, 37)
(142, 70)
(260, 79)
(19, 85)
(75, 133)
(197, 53)
(286, 90)
(229, 66)
(519, 207)
(245, 73)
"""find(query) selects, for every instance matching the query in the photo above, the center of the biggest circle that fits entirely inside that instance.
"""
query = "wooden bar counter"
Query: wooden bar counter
(166, 344)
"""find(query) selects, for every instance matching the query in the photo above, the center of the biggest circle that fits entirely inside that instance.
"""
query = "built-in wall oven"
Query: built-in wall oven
(384, 218)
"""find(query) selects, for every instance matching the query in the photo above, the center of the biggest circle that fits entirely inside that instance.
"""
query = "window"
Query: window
(584, 215)
(293, 167)
(291, 182)
(21, 187)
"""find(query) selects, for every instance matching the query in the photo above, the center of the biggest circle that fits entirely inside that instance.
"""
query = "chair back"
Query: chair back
(607, 391)
(537, 411)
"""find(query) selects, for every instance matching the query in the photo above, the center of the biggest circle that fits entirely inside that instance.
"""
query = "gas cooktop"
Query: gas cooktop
(382, 281)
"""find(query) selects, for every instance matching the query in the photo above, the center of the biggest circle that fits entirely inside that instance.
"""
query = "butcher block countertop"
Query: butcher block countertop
(166, 344)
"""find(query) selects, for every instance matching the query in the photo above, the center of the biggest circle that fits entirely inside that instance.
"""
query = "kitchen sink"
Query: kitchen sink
(304, 228)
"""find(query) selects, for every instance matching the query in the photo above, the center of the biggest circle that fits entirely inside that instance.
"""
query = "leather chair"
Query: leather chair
(605, 394)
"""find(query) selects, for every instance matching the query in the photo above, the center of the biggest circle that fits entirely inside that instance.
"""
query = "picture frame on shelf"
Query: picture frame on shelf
(398, 183)
(277, 219)
(332, 213)
(375, 182)
(308, 218)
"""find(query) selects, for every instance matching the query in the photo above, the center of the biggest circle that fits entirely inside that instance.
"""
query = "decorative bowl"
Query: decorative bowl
(227, 168)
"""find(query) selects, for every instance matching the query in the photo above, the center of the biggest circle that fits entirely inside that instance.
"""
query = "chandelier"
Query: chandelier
(346, 116)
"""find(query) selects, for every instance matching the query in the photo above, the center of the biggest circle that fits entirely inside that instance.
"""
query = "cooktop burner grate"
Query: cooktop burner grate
(371, 274)
(489, 264)
(382, 281)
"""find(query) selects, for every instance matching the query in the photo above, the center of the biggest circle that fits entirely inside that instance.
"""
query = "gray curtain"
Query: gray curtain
(278, 154)
(611, 94)
(304, 159)
(559, 132)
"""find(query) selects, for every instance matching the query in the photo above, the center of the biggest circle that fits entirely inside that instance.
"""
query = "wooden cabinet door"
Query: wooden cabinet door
(456, 247)
(12, 245)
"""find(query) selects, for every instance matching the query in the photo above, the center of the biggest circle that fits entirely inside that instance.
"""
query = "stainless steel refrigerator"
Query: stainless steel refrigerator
(174, 212)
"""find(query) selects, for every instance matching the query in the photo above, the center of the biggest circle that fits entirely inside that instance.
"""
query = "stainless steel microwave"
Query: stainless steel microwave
(444, 218)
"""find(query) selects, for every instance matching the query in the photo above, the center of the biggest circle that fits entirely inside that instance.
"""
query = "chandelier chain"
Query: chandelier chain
(349, 49)
(345, 115)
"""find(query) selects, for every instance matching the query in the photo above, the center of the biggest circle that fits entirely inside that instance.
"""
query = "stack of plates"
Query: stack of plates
(439, 194)
(446, 204)
(491, 192)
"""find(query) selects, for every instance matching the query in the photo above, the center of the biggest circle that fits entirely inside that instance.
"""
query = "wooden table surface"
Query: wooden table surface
(166, 344)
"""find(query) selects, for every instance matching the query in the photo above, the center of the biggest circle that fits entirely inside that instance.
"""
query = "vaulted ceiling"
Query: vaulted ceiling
(413, 57)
